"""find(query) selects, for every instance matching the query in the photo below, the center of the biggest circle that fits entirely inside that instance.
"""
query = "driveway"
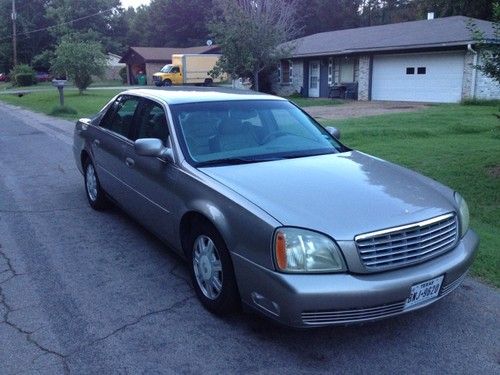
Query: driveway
(92, 293)
(359, 109)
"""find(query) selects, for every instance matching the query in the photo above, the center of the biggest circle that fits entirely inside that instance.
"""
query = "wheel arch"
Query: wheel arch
(195, 216)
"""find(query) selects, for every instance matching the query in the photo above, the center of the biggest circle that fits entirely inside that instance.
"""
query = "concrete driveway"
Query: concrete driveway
(92, 293)
(356, 108)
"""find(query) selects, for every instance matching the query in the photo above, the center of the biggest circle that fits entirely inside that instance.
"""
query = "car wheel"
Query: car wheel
(95, 195)
(167, 82)
(212, 271)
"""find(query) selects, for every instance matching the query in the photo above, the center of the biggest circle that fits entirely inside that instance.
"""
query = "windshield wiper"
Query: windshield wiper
(233, 161)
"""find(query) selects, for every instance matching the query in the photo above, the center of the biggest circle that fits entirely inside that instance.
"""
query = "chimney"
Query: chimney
(430, 15)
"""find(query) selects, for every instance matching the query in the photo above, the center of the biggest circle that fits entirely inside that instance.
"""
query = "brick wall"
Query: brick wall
(486, 88)
(286, 89)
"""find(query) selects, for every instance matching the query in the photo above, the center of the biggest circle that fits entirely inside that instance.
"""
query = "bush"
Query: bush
(22, 69)
(123, 74)
(481, 102)
(63, 110)
(24, 79)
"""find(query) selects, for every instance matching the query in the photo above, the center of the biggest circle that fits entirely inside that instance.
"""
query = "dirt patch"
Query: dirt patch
(494, 171)
(361, 109)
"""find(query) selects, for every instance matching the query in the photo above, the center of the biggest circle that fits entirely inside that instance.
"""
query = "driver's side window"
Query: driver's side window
(120, 115)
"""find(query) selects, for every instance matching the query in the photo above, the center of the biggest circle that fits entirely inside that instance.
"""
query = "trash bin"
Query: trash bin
(141, 79)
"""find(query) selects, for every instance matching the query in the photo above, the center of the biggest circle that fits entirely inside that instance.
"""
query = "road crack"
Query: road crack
(9, 310)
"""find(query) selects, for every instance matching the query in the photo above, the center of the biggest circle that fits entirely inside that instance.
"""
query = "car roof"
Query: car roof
(180, 95)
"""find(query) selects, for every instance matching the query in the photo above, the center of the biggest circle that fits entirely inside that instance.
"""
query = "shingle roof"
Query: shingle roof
(164, 54)
(438, 32)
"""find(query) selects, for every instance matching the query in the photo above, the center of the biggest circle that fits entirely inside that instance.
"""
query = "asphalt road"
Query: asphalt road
(84, 292)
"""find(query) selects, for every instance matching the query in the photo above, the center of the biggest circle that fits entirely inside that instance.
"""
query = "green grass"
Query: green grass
(310, 102)
(85, 105)
(458, 145)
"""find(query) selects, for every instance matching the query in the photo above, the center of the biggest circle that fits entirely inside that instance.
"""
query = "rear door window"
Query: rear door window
(120, 116)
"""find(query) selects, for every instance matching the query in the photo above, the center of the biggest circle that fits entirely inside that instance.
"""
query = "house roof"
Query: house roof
(164, 54)
(438, 32)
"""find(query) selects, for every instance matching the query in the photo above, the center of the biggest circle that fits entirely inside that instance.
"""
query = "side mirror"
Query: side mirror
(334, 132)
(153, 147)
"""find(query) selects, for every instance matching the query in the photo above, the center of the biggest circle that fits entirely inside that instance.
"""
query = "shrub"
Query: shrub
(22, 69)
(123, 74)
(24, 79)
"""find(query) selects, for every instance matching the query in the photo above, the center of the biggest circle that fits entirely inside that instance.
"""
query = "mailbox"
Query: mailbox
(59, 84)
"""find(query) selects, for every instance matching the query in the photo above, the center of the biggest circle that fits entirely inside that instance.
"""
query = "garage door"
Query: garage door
(435, 77)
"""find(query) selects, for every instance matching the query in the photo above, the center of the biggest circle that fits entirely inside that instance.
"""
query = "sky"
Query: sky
(134, 3)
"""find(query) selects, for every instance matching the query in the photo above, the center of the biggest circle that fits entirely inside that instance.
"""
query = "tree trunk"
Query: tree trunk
(256, 80)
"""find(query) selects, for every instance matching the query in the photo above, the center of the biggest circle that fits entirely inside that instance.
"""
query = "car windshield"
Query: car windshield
(167, 68)
(233, 132)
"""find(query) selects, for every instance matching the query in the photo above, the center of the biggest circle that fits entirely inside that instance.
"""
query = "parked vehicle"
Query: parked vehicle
(43, 77)
(270, 209)
(187, 69)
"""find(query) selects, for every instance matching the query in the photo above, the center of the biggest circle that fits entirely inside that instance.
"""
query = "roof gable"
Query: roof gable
(438, 32)
(163, 54)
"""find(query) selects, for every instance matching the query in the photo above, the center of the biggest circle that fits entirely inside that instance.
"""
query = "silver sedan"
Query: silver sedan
(270, 210)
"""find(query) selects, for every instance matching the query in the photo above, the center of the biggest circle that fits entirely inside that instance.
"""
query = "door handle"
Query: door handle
(97, 142)
(130, 162)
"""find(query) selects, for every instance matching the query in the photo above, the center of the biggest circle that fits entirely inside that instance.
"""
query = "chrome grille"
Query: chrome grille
(351, 316)
(400, 246)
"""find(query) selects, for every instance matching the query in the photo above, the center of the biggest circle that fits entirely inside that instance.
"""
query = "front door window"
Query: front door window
(314, 78)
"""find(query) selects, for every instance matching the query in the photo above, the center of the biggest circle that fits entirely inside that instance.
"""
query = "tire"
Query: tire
(95, 194)
(212, 272)
(167, 82)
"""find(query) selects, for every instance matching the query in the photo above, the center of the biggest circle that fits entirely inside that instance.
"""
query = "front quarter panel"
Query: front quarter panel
(245, 228)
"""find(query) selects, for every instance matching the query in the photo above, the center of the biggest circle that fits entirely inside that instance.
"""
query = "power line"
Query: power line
(60, 24)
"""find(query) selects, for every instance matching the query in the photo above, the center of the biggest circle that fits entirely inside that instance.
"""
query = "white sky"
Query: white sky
(134, 3)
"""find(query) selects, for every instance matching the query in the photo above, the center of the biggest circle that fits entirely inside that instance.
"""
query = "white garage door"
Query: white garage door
(432, 77)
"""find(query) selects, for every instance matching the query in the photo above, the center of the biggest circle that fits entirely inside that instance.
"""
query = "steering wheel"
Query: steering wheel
(274, 135)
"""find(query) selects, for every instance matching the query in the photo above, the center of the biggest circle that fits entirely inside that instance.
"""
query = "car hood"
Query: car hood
(339, 194)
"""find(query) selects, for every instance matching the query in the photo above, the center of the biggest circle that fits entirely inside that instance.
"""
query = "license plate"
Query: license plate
(424, 291)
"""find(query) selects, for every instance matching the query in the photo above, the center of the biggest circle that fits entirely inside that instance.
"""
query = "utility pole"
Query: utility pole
(14, 36)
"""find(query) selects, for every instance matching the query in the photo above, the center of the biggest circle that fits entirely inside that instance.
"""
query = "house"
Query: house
(150, 60)
(113, 66)
(426, 61)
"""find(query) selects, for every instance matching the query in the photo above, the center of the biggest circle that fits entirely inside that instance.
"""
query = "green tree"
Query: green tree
(79, 60)
(251, 34)
(489, 46)
(87, 20)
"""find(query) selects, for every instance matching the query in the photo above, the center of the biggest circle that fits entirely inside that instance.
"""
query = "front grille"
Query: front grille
(408, 244)
(351, 316)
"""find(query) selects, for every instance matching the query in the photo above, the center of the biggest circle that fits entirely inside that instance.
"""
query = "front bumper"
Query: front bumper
(330, 299)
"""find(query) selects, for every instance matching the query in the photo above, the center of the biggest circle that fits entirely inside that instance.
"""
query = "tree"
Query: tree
(79, 60)
(251, 34)
(87, 20)
(489, 50)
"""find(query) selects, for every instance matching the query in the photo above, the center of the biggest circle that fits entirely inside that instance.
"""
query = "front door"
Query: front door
(151, 179)
(314, 79)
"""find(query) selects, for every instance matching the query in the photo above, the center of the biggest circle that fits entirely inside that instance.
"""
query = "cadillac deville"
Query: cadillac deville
(271, 210)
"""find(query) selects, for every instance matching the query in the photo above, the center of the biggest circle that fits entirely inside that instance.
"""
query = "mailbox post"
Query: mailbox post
(60, 83)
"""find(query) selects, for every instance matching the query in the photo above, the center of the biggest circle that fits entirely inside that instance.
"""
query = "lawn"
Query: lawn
(458, 145)
(86, 105)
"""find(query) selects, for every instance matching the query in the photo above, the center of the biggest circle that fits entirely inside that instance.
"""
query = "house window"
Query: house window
(286, 71)
(410, 70)
(421, 70)
(330, 71)
(347, 67)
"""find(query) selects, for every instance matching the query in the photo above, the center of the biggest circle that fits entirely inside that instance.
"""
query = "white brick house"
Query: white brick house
(429, 61)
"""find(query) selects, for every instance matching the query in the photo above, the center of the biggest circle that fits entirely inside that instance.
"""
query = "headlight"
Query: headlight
(463, 212)
(300, 250)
